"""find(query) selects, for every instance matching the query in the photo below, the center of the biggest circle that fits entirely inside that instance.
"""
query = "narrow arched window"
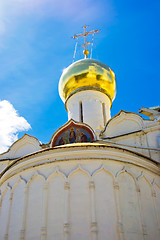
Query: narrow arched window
(104, 113)
(80, 112)
(158, 138)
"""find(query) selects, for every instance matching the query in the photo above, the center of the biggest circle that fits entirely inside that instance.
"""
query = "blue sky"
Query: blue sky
(36, 45)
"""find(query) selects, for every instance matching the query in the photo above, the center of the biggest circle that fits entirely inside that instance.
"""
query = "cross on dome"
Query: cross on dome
(85, 52)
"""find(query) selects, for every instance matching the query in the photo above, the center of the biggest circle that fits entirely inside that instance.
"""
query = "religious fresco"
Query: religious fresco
(73, 134)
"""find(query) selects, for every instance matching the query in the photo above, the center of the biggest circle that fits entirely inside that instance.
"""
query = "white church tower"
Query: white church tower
(97, 178)
(88, 88)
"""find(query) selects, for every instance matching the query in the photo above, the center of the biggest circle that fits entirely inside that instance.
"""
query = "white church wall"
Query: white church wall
(135, 142)
(17, 210)
(34, 208)
(92, 105)
(123, 123)
(144, 141)
(25, 149)
(79, 206)
(156, 199)
(152, 139)
(129, 207)
(3, 165)
(105, 204)
(4, 212)
(151, 227)
(55, 206)
(81, 198)
(23, 146)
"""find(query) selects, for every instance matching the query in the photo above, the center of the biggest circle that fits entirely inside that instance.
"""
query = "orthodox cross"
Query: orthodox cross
(85, 52)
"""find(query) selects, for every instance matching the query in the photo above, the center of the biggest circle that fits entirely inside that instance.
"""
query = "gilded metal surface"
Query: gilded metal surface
(87, 74)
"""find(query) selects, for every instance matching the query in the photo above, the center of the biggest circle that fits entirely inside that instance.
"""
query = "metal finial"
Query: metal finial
(85, 52)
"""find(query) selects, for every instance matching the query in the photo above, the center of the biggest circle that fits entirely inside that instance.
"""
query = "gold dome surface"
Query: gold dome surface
(87, 74)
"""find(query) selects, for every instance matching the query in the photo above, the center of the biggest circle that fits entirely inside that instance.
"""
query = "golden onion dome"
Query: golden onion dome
(87, 74)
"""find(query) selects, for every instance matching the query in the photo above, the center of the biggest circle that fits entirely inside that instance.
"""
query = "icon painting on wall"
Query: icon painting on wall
(73, 133)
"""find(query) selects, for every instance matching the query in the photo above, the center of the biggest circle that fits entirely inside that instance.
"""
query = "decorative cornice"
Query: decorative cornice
(87, 152)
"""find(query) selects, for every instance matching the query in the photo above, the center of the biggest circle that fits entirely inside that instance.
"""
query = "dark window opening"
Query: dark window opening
(80, 112)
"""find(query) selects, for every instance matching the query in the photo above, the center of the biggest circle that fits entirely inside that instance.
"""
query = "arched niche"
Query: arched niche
(34, 207)
(129, 206)
(79, 205)
(55, 206)
(105, 204)
(149, 211)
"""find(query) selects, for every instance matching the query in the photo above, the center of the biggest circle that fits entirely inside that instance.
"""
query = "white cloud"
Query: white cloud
(10, 124)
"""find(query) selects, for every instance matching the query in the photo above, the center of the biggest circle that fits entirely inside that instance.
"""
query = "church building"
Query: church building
(97, 178)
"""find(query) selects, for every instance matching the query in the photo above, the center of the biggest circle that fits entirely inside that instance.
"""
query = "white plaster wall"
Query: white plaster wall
(4, 212)
(105, 205)
(3, 165)
(17, 210)
(123, 127)
(82, 199)
(152, 139)
(149, 208)
(145, 143)
(55, 206)
(138, 141)
(34, 208)
(134, 133)
(23, 146)
(123, 123)
(25, 149)
(92, 108)
(79, 206)
(129, 207)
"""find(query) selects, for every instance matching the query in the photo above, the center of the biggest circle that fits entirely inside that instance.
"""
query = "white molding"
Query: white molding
(89, 153)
